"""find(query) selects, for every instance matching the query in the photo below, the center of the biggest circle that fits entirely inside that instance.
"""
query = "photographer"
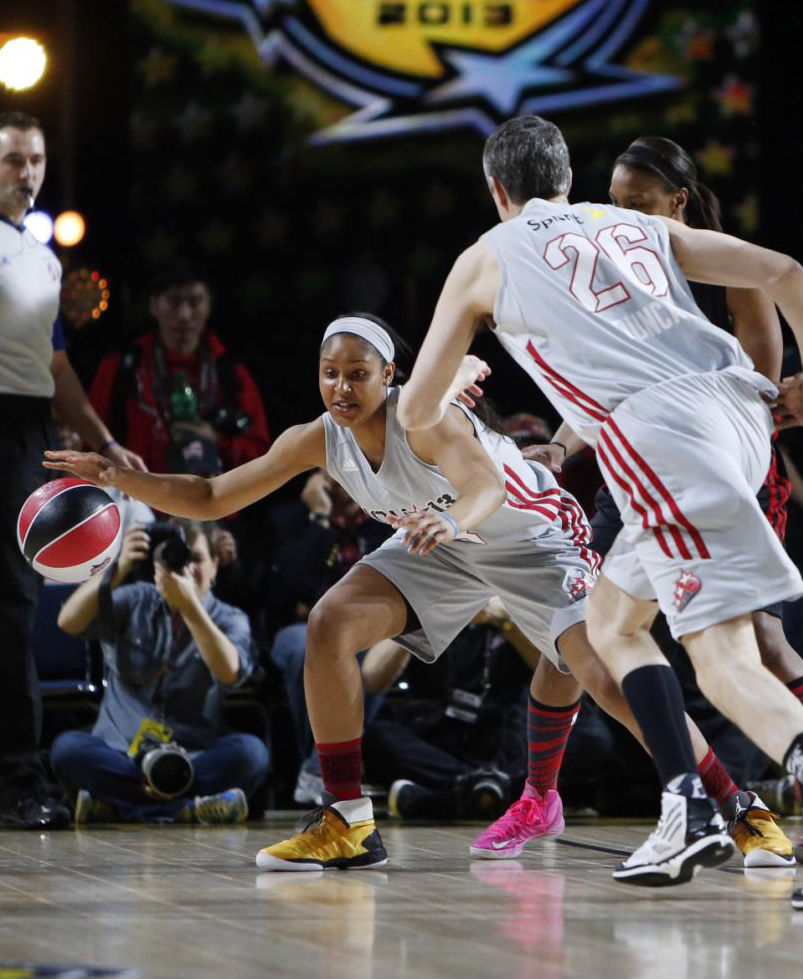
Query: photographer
(176, 395)
(156, 752)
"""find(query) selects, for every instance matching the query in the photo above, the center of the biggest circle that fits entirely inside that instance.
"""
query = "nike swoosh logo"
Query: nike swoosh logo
(498, 846)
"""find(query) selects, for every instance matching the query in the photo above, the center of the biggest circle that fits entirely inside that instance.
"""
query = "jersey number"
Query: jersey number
(619, 243)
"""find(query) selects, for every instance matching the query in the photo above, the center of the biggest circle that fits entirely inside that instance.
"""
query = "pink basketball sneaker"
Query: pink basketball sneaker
(533, 816)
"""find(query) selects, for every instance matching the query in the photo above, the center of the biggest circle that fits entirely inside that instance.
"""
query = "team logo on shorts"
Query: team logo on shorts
(577, 584)
(426, 65)
(686, 587)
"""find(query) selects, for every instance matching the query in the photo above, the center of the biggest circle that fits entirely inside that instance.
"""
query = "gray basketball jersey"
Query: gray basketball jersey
(535, 507)
(593, 305)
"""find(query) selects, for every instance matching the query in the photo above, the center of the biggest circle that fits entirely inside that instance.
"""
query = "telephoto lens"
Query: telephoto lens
(168, 770)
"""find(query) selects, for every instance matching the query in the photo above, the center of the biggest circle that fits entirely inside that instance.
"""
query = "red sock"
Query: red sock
(548, 730)
(796, 686)
(716, 781)
(341, 768)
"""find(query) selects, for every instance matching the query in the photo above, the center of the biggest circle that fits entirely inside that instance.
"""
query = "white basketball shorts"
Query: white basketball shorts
(684, 460)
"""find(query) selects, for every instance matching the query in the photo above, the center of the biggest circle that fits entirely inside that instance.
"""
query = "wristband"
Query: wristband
(555, 442)
(107, 444)
(452, 523)
(319, 517)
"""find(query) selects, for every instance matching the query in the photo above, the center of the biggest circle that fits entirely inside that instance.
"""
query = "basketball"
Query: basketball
(69, 530)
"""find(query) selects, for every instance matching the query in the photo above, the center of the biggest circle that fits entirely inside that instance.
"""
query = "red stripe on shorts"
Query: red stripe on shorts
(645, 520)
(699, 543)
(660, 519)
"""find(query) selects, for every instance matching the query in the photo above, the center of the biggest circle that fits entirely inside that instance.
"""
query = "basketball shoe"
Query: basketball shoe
(230, 806)
(760, 839)
(88, 809)
(690, 834)
(340, 835)
(533, 816)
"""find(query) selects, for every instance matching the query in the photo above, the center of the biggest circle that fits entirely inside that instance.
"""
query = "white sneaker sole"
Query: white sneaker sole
(766, 858)
(681, 867)
(265, 861)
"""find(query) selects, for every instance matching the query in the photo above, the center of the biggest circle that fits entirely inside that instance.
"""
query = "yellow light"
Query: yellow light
(22, 63)
(69, 228)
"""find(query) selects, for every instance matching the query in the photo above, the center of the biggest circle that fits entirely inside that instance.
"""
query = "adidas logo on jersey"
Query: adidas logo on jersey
(349, 465)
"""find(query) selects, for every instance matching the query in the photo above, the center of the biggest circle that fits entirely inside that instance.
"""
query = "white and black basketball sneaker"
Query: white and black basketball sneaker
(690, 834)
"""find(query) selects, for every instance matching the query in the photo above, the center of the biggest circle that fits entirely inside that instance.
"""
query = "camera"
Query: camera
(167, 768)
(167, 546)
(484, 793)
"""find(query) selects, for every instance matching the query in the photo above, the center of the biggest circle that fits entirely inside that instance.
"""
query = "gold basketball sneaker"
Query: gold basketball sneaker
(341, 835)
(762, 841)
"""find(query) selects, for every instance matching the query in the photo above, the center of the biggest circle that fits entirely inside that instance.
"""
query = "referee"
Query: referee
(35, 377)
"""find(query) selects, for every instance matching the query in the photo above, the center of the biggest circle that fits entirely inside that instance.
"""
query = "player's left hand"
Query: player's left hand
(123, 457)
(787, 409)
(176, 588)
(425, 529)
(85, 465)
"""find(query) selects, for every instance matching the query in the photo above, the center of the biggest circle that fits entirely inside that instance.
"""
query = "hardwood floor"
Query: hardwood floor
(188, 901)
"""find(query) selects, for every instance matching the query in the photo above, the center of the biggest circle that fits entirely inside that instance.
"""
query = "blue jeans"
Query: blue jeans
(82, 761)
(287, 654)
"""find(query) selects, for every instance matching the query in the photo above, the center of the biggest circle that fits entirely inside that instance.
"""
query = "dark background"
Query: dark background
(291, 235)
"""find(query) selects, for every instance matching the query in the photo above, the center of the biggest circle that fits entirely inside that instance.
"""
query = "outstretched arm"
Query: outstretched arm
(296, 450)
(710, 256)
(468, 296)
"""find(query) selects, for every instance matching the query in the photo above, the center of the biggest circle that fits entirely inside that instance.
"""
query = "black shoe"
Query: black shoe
(406, 800)
(36, 813)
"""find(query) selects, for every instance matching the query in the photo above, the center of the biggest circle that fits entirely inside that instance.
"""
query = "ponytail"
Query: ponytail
(703, 209)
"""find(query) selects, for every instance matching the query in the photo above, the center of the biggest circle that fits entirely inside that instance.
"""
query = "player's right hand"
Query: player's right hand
(466, 384)
(136, 547)
(549, 455)
(86, 465)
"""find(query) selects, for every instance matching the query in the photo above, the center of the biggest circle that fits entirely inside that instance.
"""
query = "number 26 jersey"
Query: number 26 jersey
(593, 305)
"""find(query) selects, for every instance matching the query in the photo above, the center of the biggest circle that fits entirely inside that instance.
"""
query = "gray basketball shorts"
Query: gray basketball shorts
(542, 583)
(684, 460)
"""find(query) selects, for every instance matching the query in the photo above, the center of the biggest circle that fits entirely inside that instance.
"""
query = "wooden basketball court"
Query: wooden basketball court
(167, 902)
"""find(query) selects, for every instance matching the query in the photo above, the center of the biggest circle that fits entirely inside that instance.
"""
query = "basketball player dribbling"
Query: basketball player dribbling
(476, 520)
(592, 302)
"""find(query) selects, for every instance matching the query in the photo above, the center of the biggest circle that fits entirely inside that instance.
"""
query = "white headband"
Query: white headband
(366, 330)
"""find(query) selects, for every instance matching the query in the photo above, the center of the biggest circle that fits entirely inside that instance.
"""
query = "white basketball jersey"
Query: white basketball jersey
(535, 507)
(593, 305)
(30, 286)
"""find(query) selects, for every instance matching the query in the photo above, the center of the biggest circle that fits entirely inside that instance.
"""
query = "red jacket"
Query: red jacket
(147, 430)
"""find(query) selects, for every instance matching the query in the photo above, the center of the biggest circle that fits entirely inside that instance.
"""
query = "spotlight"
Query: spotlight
(69, 228)
(40, 224)
(22, 63)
